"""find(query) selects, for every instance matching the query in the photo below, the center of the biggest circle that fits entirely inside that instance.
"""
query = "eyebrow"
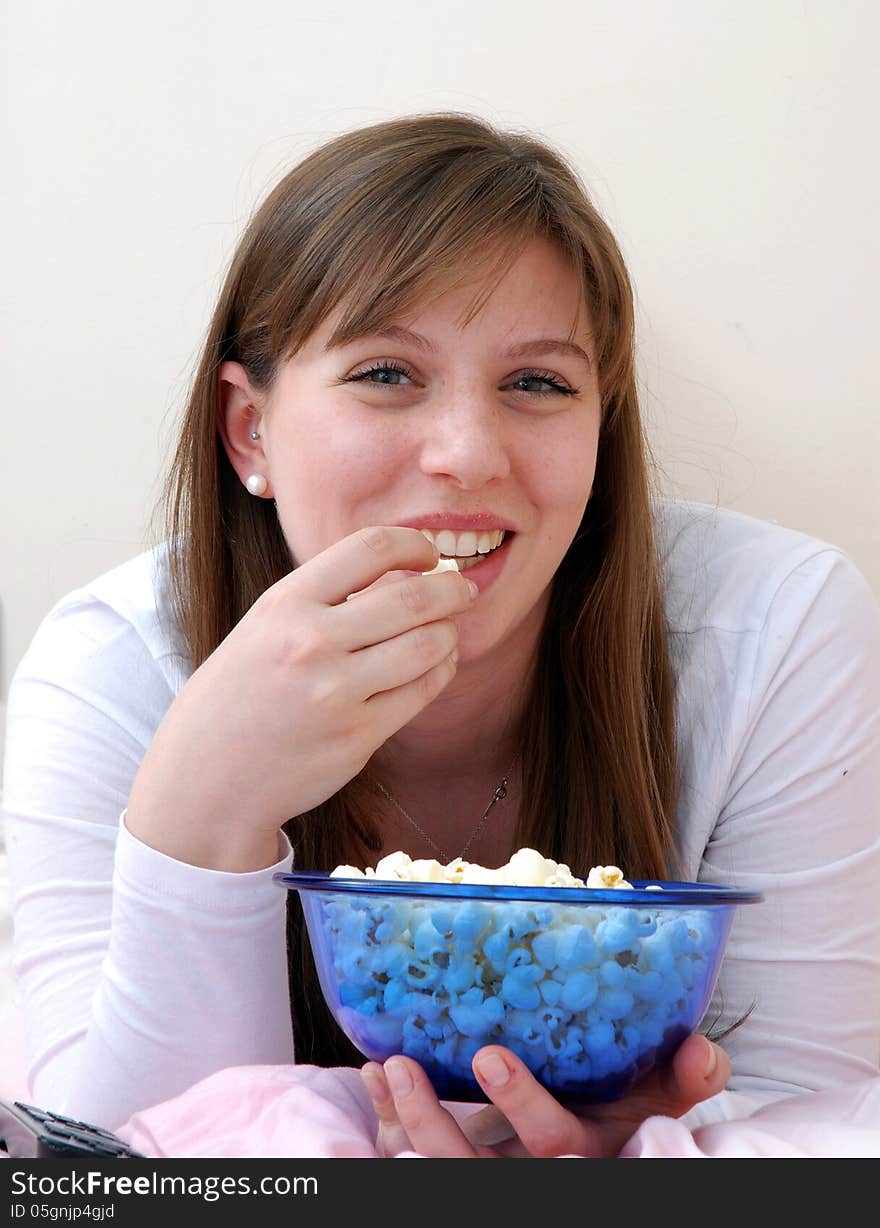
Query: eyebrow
(541, 345)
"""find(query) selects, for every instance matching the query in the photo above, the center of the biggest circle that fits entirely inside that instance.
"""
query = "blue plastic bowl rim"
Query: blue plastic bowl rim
(693, 894)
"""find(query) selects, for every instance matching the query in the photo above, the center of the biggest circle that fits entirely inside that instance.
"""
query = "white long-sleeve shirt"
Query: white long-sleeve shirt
(140, 975)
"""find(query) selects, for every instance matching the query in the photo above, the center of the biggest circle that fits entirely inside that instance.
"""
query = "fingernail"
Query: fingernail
(398, 1076)
(711, 1061)
(493, 1070)
(453, 656)
(472, 589)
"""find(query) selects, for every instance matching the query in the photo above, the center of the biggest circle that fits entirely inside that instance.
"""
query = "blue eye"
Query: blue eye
(383, 367)
(528, 377)
(542, 377)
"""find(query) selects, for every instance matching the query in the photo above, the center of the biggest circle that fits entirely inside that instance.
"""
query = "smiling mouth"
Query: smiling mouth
(467, 548)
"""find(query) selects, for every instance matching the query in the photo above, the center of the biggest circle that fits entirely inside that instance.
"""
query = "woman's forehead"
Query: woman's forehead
(538, 294)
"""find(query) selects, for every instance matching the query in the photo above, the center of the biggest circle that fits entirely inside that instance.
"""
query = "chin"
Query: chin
(477, 642)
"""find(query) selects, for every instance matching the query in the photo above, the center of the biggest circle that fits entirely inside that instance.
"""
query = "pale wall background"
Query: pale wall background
(731, 146)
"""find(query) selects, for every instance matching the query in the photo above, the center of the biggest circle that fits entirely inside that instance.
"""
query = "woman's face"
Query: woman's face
(471, 430)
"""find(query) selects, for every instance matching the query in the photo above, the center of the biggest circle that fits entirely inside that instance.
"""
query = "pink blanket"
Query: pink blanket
(308, 1112)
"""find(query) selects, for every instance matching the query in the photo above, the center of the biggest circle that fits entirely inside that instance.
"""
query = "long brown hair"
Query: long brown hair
(378, 220)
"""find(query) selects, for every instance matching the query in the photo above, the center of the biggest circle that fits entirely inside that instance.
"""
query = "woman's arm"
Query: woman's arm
(138, 974)
(143, 974)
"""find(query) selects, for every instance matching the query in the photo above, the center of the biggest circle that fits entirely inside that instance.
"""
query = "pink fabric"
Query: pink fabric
(308, 1112)
(261, 1111)
(844, 1121)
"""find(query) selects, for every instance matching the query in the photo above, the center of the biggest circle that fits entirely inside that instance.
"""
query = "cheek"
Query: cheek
(326, 482)
(563, 476)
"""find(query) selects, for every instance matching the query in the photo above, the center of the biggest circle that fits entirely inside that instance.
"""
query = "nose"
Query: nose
(466, 440)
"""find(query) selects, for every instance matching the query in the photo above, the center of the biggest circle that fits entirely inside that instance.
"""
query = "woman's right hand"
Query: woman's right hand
(296, 699)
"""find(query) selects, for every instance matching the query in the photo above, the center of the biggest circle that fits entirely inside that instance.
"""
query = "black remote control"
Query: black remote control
(27, 1132)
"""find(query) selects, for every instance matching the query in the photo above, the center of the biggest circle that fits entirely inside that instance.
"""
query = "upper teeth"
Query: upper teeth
(462, 545)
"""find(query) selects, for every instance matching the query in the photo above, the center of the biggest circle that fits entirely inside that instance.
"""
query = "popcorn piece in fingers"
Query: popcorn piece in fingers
(443, 565)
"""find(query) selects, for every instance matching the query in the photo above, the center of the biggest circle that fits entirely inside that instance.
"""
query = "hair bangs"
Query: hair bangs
(466, 225)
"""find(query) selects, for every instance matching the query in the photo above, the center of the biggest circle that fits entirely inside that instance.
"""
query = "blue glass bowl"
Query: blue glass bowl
(591, 988)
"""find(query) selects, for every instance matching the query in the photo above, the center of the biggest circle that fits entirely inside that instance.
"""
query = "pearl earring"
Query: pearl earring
(256, 484)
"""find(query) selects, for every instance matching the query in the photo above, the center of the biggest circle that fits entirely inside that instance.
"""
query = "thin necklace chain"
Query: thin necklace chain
(498, 796)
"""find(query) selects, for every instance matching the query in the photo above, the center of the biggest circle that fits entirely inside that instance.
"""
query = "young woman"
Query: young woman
(425, 340)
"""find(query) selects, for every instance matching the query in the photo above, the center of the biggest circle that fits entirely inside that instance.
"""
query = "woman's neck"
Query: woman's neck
(443, 767)
(468, 732)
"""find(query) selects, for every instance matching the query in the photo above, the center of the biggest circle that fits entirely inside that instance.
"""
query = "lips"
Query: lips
(460, 522)
(482, 565)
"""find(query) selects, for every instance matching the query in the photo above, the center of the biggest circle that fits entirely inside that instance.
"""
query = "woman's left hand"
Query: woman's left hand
(411, 1117)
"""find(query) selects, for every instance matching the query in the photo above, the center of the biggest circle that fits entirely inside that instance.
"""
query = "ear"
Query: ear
(239, 412)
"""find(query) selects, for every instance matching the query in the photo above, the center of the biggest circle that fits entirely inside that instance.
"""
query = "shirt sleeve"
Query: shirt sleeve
(801, 823)
(138, 974)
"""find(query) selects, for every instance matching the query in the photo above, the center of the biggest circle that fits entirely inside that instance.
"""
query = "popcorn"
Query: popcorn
(580, 991)
(429, 871)
(526, 868)
(395, 865)
(606, 876)
(443, 565)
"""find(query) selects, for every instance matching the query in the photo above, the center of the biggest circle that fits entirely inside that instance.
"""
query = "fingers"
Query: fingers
(392, 1137)
(544, 1127)
(411, 1117)
(405, 658)
(361, 558)
(396, 607)
(391, 710)
(698, 1071)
